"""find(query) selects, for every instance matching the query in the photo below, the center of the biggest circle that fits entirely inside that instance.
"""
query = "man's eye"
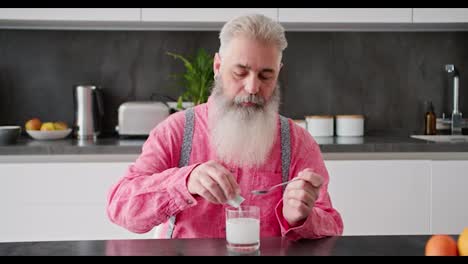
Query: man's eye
(264, 77)
(239, 74)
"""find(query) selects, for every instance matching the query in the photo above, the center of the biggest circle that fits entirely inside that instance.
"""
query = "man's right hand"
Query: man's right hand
(213, 182)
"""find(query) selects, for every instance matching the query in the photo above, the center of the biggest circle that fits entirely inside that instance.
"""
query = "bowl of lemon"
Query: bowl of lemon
(46, 130)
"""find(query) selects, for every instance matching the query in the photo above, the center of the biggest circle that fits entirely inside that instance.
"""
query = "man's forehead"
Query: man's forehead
(248, 47)
(248, 67)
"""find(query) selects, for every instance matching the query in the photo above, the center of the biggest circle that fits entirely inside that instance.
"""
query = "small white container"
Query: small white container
(320, 125)
(350, 125)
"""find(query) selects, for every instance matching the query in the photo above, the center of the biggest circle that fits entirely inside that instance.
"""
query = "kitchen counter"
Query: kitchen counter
(409, 245)
(27, 146)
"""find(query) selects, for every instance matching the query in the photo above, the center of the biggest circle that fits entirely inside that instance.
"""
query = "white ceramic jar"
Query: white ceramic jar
(320, 125)
(350, 125)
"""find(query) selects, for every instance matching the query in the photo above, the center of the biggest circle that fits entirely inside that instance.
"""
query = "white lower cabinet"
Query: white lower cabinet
(449, 196)
(67, 200)
(59, 201)
(381, 197)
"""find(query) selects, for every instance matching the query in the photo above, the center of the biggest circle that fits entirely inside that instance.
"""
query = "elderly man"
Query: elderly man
(197, 160)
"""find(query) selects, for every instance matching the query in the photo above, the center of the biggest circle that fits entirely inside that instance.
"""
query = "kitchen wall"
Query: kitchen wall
(385, 76)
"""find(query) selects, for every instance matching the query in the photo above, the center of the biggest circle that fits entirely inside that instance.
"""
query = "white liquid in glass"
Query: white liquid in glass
(243, 231)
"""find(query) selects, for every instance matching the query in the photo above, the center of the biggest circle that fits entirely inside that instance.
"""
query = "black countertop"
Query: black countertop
(409, 245)
(27, 146)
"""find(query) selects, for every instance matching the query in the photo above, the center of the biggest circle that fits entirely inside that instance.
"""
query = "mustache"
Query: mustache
(251, 98)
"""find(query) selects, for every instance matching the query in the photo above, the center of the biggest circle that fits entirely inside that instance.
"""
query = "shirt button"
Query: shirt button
(189, 201)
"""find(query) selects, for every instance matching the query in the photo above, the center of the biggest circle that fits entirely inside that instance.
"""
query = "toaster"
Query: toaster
(139, 118)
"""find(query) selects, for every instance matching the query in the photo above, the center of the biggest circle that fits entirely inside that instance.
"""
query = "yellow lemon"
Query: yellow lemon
(47, 126)
(60, 125)
(463, 242)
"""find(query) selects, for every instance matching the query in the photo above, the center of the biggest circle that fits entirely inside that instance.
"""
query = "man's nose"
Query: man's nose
(252, 85)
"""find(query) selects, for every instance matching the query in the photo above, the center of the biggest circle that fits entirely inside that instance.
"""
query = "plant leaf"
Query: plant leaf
(187, 63)
(198, 76)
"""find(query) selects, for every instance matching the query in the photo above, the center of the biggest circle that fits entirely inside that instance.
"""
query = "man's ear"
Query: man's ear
(280, 67)
(216, 64)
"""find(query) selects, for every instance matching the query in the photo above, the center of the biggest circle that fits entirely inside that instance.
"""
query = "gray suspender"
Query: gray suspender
(184, 155)
(285, 148)
(187, 143)
(187, 148)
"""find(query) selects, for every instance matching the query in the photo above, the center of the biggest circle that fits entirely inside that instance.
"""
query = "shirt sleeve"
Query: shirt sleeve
(323, 220)
(153, 187)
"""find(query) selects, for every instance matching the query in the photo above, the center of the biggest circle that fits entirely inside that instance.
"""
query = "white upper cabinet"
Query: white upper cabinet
(345, 15)
(305, 19)
(440, 15)
(71, 14)
(201, 14)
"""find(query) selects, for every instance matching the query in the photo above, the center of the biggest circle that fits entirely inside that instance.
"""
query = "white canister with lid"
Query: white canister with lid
(320, 125)
(350, 125)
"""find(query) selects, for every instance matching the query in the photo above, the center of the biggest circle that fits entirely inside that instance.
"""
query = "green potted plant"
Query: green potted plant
(197, 78)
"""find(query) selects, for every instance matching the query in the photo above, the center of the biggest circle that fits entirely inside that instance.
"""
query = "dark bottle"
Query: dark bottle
(430, 120)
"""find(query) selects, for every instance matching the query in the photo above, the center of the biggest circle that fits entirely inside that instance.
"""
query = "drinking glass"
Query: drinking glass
(243, 228)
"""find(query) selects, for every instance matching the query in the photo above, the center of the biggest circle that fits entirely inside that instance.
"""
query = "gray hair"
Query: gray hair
(257, 26)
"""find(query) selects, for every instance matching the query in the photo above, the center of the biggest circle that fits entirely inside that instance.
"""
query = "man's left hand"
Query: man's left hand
(300, 196)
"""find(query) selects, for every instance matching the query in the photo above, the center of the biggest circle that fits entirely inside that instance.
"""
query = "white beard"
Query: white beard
(243, 136)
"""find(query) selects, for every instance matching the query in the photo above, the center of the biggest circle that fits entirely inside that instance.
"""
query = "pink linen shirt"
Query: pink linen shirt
(154, 188)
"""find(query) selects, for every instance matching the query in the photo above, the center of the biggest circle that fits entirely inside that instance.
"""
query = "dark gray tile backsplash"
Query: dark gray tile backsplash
(385, 76)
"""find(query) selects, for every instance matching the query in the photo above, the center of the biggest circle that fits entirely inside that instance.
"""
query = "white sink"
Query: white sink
(442, 138)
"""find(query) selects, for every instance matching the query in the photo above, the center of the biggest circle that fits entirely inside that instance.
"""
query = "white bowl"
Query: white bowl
(49, 135)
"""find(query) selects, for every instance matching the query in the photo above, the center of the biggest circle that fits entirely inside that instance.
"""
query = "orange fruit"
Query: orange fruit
(463, 242)
(33, 124)
(441, 245)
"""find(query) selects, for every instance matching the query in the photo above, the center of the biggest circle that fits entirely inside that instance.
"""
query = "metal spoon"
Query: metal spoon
(261, 192)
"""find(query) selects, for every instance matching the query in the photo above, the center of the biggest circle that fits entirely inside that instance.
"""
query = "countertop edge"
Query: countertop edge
(68, 158)
(124, 150)
(396, 156)
(326, 156)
